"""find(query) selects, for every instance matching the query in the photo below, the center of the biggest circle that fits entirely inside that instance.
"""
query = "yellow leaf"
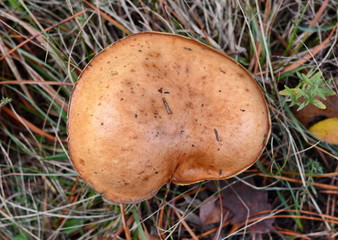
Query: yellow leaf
(326, 130)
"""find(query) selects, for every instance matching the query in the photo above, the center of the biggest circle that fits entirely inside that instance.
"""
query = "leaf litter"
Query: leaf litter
(242, 200)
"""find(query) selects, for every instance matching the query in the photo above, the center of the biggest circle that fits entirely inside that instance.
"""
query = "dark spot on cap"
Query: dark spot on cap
(189, 105)
(154, 54)
(82, 162)
(145, 178)
(216, 134)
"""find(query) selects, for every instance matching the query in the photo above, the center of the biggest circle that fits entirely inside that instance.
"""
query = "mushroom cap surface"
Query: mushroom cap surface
(154, 108)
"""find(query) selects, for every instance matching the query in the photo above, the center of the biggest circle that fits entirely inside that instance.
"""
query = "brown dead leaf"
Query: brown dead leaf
(310, 115)
(244, 201)
(210, 212)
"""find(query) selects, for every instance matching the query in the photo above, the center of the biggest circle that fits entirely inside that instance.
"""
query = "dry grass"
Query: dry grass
(45, 45)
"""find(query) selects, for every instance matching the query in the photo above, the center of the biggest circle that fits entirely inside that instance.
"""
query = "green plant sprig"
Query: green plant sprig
(310, 87)
(4, 101)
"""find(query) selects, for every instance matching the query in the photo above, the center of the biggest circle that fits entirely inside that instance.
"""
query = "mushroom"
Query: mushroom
(154, 108)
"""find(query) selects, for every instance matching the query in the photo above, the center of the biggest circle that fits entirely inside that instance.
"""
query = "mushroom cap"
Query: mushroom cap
(154, 108)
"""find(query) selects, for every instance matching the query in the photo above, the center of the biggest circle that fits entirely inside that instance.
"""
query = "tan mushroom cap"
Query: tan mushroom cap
(154, 108)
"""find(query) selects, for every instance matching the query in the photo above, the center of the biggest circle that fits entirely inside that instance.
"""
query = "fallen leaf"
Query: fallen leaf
(244, 201)
(326, 130)
(210, 212)
(310, 114)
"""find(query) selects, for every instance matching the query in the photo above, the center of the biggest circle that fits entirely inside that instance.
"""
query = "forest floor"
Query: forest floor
(290, 193)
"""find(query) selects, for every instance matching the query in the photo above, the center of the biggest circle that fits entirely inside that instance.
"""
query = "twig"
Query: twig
(190, 231)
(125, 225)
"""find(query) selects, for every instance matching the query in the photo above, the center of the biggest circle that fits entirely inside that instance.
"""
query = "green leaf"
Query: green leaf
(321, 95)
(139, 224)
(316, 29)
(292, 72)
(301, 106)
(289, 91)
(21, 236)
(73, 225)
(306, 79)
(317, 79)
(16, 5)
(327, 91)
(318, 103)
(301, 93)
(285, 92)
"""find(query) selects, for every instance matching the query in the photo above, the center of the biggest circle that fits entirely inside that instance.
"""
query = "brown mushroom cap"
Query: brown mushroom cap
(154, 107)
